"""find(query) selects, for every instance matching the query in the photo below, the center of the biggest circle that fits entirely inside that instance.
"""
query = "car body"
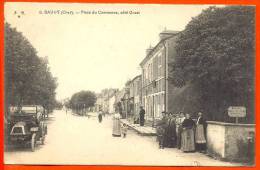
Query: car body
(27, 125)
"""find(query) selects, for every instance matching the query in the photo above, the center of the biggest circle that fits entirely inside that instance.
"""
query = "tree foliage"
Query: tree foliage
(28, 79)
(82, 99)
(216, 53)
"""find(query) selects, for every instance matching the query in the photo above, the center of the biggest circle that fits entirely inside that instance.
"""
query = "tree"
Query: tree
(82, 100)
(28, 79)
(216, 53)
(58, 105)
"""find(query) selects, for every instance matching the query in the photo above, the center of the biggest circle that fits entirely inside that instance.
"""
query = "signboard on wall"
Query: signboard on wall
(237, 111)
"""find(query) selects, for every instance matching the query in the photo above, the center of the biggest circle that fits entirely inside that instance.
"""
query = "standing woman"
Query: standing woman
(160, 130)
(171, 131)
(187, 136)
(164, 125)
(200, 136)
(179, 121)
(116, 125)
(166, 130)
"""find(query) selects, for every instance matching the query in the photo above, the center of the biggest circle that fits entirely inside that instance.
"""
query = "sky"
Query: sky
(89, 47)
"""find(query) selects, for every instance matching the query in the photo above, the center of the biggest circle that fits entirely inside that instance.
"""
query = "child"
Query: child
(124, 130)
(160, 134)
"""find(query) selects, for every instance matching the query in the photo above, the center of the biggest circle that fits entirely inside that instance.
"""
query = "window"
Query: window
(162, 102)
(159, 59)
(158, 86)
(158, 106)
(162, 84)
(160, 63)
(159, 71)
(150, 72)
(149, 106)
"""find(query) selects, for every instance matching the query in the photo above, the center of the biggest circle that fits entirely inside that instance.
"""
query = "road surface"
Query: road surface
(76, 140)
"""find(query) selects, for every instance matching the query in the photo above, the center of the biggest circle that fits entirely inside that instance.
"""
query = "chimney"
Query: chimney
(148, 50)
(167, 33)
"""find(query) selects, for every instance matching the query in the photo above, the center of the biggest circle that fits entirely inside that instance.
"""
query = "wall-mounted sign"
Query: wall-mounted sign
(237, 111)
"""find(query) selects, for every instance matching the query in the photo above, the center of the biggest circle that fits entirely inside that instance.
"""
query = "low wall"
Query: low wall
(230, 141)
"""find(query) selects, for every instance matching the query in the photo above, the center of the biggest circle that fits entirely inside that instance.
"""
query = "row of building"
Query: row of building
(152, 89)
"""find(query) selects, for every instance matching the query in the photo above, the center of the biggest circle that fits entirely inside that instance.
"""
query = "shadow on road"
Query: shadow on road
(86, 115)
(21, 148)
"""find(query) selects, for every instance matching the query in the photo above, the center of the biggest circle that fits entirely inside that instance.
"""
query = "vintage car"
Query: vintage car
(27, 126)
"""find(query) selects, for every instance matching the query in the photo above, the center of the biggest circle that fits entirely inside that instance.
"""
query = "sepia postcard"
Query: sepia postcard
(129, 84)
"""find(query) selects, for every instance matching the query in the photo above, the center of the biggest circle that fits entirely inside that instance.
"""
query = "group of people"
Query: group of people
(173, 130)
(179, 130)
(121, 129)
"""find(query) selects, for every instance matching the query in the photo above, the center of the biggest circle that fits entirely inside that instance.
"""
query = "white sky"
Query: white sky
(92, 52)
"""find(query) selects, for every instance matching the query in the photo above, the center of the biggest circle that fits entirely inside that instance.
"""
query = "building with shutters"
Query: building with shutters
(135, 94)
(106, 100)
(156, 87)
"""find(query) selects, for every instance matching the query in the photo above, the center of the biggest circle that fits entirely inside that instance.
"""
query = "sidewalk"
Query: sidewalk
(142, 130)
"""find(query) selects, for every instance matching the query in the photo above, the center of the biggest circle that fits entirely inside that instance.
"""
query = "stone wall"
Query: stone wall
(216, 139)
(230, 141)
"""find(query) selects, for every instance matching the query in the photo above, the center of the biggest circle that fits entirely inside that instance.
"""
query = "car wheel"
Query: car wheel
(33, 142)
(46, 130)
(42, 140)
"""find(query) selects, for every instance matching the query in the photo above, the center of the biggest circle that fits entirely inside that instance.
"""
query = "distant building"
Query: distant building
(135, 95)
(99, 102)
(105, 100)
(118, 101)
(156, 95)
(122, 101)
(111, 104)
(125, 102)
(129, 98)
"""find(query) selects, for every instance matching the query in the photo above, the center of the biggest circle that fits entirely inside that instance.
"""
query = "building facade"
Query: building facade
(99, 102)
(125, 102)
(106, 100)
(135, 95)
(156, 87)
(111, 104)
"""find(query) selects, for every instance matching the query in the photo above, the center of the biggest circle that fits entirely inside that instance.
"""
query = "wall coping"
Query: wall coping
(230, 124)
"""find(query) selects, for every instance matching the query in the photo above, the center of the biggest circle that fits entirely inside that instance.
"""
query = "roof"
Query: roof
(174, 33)
(136, 77)
(169, 32)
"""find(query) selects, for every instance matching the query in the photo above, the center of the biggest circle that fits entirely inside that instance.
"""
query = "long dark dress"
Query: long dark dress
(160, 130)
(200, 135)
(100, 117)
(170, 133)
(141, 114)
(187, 136)
(179, 131)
